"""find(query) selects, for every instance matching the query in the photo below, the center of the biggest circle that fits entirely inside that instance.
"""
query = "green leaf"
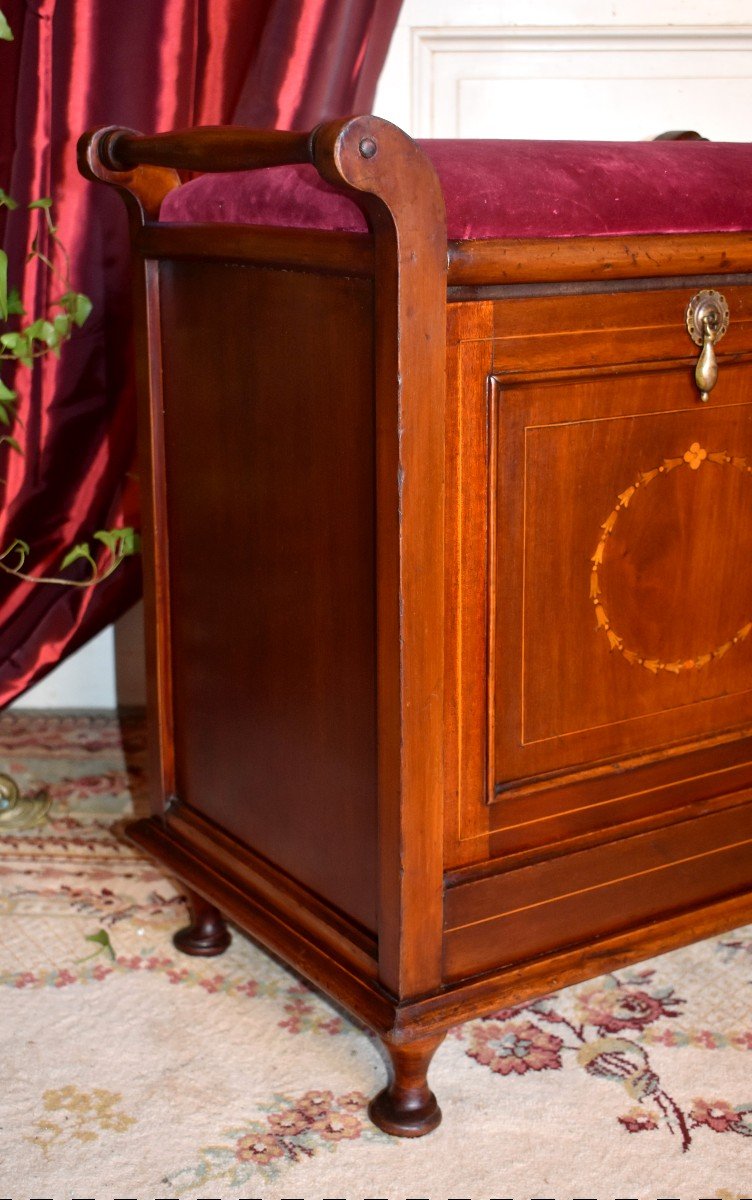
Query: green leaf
(3, 285)
(6, 33)
(120, 542)
(11, 441)
(45, 202)
(102, 938)
(130, 542)
(7, 395)
(83, 308)
(78, 305)
(19, 346)
(80, 551)
(109, 538)
(43, 331)
(7, 201)
(15, 307)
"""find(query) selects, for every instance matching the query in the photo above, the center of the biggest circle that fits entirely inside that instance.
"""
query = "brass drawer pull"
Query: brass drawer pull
(707, 321)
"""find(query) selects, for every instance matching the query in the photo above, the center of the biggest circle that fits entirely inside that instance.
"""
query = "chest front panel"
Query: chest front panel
(616, 632)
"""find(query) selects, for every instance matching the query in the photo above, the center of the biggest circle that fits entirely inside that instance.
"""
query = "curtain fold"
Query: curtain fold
(152, 65)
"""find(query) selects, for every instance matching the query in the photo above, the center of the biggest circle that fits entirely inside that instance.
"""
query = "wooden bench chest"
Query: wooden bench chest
(447, 562)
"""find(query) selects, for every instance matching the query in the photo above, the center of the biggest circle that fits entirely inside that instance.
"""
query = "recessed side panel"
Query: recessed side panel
(270, 495)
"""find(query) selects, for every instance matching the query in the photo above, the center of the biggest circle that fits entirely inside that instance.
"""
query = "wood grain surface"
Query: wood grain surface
(448, 593)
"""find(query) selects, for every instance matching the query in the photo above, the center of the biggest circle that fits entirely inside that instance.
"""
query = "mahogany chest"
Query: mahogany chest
(447, 467)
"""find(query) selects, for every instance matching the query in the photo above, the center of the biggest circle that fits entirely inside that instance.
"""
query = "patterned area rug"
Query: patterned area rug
(131, 1071)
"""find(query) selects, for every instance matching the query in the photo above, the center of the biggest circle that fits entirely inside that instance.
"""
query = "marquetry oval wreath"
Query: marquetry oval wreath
(694, 458)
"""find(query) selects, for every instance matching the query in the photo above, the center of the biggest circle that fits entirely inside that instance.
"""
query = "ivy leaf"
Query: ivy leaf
(83, 308)
(109, 538)
(19, 347)
(130, 542)
(35, 329)
(7, 201)
(3, 285)
(102, 938)
(14, 445)
(15, 307)
(43, 331)
(121, 543)
(80, 551)
(49, 335)
(7, 395)
(77, 305)
(6, 33)
(45, 202)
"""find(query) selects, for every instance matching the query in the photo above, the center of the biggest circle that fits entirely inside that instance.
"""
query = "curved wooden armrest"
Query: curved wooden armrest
(208, 148)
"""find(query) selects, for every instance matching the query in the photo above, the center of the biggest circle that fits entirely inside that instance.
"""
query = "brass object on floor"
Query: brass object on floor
(21, 812)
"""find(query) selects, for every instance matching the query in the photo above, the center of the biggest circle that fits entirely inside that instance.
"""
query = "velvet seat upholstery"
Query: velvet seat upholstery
(512, 189)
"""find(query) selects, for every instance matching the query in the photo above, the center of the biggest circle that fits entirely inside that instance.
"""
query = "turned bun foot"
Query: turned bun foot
(207, 934)
(405, 1116)
(407, 1107)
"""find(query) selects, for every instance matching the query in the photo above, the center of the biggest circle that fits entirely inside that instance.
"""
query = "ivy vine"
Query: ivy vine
(23, 342)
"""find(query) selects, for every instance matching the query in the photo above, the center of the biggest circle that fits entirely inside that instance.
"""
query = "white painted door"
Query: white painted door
(593, 69)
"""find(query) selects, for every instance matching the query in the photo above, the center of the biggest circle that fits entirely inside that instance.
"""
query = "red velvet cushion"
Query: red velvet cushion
(512, 189)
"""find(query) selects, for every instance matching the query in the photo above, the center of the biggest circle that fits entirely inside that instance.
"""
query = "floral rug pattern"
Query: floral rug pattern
(135, 1072)
(606, 1038)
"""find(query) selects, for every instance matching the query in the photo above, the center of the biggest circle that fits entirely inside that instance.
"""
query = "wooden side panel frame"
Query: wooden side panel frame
(401, 194)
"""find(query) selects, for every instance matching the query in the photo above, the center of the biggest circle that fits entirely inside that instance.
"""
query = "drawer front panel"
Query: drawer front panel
(600, 665)
(630, 512)
(548, 906)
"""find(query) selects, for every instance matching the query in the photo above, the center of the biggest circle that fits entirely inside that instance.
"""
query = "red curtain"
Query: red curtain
(151, 65)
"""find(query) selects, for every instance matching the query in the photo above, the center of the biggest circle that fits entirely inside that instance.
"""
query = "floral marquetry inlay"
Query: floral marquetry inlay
(694, 458)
